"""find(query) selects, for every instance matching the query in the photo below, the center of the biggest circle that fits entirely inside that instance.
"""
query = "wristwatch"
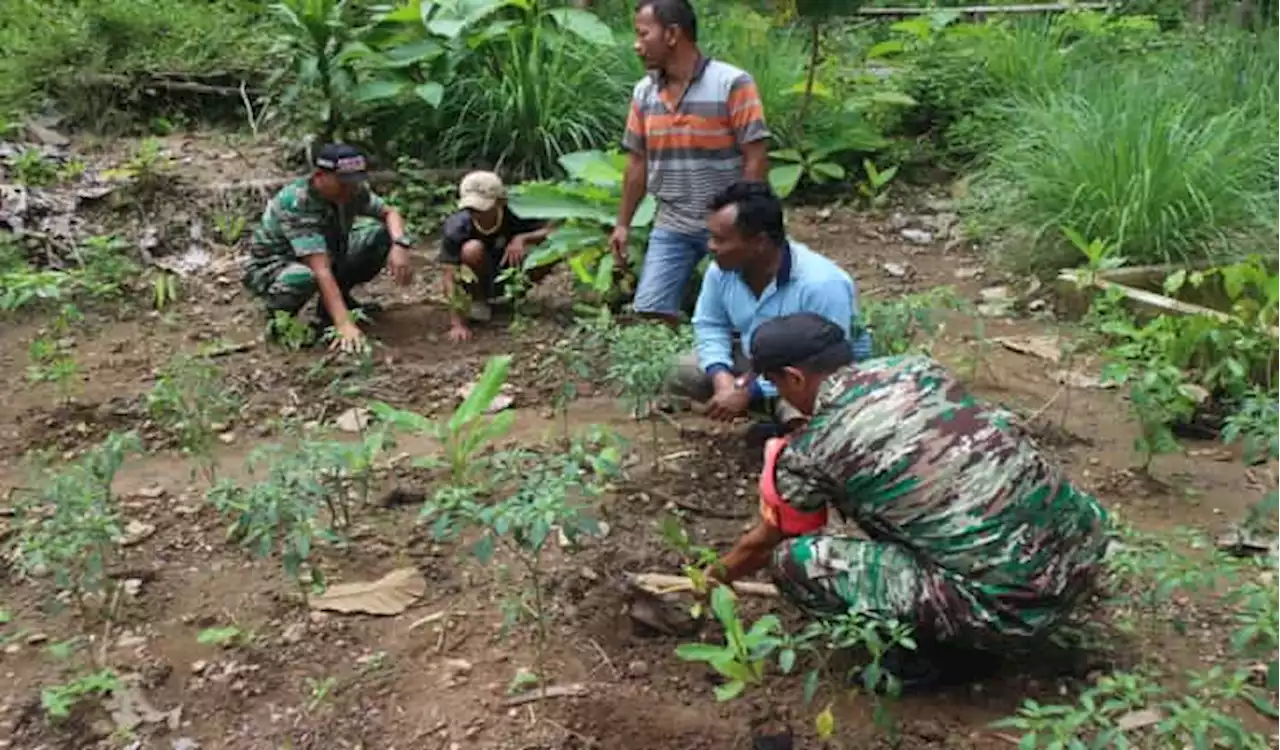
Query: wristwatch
(404, 241)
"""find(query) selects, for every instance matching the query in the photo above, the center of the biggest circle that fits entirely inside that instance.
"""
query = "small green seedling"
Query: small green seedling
(741, 659)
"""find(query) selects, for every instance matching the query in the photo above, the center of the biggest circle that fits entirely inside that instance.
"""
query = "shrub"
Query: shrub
(1170, 157)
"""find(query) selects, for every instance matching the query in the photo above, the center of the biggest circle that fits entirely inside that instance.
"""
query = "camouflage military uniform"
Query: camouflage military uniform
(974, 535)
(298, 222)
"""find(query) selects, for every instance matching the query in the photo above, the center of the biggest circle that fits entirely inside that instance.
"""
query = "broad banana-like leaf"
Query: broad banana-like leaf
(583, 24)
(431, 92)
(545, 201)
(783, 179)
(592, 166)
(563, 243)
(485, 390)
(377, 90)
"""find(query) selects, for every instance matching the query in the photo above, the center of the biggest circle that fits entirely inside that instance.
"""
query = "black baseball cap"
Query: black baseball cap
(345, 161)
(803, 340)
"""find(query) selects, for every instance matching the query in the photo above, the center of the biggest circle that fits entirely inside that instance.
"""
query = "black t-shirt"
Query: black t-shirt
(460, 229)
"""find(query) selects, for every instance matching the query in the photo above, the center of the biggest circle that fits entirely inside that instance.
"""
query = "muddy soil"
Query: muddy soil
(317, 680)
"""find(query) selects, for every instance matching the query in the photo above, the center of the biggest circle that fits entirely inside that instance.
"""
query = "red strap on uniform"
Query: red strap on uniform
(789, 521)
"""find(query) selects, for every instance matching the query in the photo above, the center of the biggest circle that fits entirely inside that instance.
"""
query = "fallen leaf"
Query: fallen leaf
(1139, 719)
(130, 709)
(1044, 347)
(389, 595)
(1079, 379)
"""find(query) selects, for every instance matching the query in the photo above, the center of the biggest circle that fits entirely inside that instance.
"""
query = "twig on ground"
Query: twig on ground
(1052, 400)
(662, 583)
(694, 507)
(586, 740)
(605, 658)
(555, 691)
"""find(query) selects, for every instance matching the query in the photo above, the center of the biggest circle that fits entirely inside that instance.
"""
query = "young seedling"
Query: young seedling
(1158, 398)
(875, 188)
(697, 559)
(282, 511)
(640, 360)
(742, 658)
(468, 433)
(544, 505)
(189, 399)
(72, 528)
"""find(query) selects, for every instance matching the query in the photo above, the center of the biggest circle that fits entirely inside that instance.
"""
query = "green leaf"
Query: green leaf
(431, 92)
(787, 154)
(699, 652)
(783, 179)
(1175, 280)
(825, 723)
(730, 690)
(645, 212)
(483, 393)
(896, 98)
(787, 660)
(413, 52)
(377, 90)
(218, 636)
(886, 48)
(447, 28)
(591, 166)
(829, 170)
(604, 274)
(1028, 741)
(723, 607)
(583, 24)
(811, 685)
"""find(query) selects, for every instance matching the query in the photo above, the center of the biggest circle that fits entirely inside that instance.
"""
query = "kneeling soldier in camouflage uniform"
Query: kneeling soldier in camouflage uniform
(975, 539)
(309, 241)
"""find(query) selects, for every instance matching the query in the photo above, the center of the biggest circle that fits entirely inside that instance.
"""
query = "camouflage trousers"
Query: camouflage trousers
(289, 286)
(828, 576)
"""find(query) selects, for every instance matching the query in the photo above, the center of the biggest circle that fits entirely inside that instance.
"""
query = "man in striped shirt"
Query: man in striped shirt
(696, 127)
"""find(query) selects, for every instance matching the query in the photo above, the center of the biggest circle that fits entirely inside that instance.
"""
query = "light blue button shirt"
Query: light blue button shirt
(806, 283)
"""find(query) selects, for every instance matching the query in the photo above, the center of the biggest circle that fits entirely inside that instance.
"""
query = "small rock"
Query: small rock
(12, 649)
(996, 294)
(132, 586)
(227, 438)
(35, 639)
(294, 633)
(199, 666)
(129, 641)
(135, 532)
(896, 270)
(638, 668)
(457, 667)
(352, 420)
(185, 743)
(917, 236)
(151, 492)
(968, 273)
(588, 574)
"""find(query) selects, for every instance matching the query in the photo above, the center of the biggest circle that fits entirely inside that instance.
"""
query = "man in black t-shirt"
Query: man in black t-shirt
(485, 237)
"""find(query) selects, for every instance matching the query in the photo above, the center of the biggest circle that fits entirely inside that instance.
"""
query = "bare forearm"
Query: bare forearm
(394, 222)
(448, 287)
(331, 295)
(755, 162)
(751, 553)
(633, 185)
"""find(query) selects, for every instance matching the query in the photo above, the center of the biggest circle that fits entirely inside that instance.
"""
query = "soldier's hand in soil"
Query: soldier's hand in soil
(618, 243)
(399, 266)
(349, 339)
(728, 404)
(459, 333)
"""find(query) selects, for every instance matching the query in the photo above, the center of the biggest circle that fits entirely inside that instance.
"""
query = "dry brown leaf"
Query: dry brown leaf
(1044, 347)
(1139, 719)
(389, 595)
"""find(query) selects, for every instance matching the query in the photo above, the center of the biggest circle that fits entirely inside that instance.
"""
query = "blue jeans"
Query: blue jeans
(668, 263)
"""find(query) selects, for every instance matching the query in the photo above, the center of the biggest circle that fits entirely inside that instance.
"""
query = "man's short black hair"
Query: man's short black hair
(678, 13)
(759, 210)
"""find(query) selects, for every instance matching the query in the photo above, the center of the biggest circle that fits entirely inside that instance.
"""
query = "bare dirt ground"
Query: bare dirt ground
(443, 685)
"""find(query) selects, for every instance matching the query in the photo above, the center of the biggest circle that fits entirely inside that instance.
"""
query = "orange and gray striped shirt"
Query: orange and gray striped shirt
(693, 147)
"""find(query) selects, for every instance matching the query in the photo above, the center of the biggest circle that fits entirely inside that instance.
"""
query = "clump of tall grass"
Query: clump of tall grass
(525, 99)
(1172, 156)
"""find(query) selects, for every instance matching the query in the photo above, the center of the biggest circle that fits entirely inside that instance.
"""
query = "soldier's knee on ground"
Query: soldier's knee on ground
(290, 290)
(473, 255)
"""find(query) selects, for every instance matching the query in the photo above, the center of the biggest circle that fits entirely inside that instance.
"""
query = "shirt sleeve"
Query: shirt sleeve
(712, 327)
(800, 480)
(305, 233)
(633, 138)
(746, 112)
(453, 235)
(369, 204)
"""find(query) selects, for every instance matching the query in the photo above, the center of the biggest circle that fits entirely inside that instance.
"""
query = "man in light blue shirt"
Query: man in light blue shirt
(758, 275)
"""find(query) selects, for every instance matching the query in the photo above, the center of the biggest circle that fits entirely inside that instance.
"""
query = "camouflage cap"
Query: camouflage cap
(803, 340)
